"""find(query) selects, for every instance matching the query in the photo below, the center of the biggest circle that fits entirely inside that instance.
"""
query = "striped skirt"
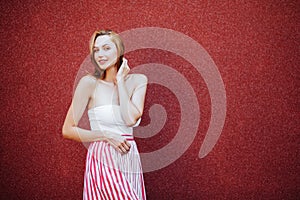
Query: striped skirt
(111, 175)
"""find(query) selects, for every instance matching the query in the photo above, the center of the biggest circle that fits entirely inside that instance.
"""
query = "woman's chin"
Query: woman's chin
(103, 67)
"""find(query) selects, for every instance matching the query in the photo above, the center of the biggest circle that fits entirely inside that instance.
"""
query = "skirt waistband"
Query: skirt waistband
(128, 137)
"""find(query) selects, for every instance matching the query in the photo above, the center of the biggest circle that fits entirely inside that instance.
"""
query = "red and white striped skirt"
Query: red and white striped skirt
(111, 175)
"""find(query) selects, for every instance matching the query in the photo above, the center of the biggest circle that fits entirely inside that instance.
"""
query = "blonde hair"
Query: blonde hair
(116, 39)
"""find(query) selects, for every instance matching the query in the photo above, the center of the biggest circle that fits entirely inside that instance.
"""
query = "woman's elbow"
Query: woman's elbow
(66, 133)
(134, 122)
(130, 124)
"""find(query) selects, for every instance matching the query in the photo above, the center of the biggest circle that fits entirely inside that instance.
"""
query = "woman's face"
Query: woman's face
(105, 52)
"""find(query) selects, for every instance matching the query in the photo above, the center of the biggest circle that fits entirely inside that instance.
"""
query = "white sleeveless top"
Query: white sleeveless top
(109, 118)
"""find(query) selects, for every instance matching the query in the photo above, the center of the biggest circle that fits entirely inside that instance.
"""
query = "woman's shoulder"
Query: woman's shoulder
(139, 78)
(88, 80)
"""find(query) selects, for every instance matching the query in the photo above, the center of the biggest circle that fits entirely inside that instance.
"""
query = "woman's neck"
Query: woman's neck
(111, 74)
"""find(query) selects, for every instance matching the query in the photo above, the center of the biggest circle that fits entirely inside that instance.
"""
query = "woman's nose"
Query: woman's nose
(100, 53)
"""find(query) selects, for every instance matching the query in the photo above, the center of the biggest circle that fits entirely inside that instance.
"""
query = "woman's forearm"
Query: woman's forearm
(129, 111)
(83, 135)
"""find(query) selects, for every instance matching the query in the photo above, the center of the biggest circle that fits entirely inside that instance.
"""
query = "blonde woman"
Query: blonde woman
(115, 103)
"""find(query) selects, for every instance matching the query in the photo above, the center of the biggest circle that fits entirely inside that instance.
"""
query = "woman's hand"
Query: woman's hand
(118, 142)
(123, 71)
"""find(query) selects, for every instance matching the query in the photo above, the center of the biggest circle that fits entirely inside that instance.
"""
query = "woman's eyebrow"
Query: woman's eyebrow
(101, 45)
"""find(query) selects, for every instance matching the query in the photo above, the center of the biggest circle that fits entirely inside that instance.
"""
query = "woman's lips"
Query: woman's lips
(102, 62)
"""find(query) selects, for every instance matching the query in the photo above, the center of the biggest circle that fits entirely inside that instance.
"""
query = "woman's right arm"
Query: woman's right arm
(70, 129)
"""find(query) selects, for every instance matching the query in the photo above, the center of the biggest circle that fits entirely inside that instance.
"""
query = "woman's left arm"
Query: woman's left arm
(132, 105)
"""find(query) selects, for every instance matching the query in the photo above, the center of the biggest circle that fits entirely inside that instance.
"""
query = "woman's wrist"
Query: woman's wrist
(100, 135)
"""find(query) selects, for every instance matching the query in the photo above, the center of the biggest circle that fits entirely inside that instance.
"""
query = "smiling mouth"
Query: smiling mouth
(101, 62)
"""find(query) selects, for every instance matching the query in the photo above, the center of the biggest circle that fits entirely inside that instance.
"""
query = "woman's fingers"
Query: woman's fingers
(127, 144)
(120, 143)
(123, 66)
(125, 60)
(119, 150)
(122, 147)
(124, 69)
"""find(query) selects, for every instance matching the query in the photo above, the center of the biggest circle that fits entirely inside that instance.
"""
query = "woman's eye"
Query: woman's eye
(95, 49)
(106, 48)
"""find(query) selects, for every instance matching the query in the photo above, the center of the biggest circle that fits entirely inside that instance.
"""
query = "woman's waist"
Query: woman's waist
(128, 137)
(126, 131)
(120, 129)
(97, 144)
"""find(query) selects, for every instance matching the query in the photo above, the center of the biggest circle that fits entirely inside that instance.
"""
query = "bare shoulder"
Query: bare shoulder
(139, 79)
(87, 81)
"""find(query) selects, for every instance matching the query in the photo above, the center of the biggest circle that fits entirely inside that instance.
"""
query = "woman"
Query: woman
(115, 103)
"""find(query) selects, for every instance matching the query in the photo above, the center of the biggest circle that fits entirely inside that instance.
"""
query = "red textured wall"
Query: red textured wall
(255, 47)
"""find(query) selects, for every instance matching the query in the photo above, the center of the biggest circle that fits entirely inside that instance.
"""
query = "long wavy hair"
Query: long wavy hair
(116, 39)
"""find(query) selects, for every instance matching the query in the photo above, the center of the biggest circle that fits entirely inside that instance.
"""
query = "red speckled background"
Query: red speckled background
(255, 46)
